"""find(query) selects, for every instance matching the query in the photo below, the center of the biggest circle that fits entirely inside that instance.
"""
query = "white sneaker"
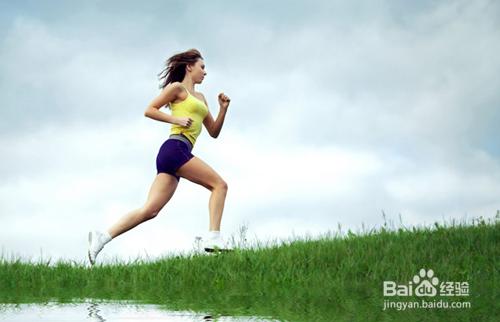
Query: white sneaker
(97, 240)
(214, 244)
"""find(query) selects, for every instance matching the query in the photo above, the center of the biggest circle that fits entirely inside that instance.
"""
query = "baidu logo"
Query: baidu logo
(425, 283)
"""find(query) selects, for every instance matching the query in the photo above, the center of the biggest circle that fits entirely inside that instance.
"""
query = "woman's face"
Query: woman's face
(198, 71)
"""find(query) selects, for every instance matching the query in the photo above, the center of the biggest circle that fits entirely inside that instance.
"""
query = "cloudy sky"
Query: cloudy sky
(339, 111)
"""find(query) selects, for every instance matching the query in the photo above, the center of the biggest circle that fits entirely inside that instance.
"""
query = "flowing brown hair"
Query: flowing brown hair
(175, 67)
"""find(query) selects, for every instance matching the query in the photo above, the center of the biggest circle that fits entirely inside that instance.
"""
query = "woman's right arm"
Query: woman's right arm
(167, 95)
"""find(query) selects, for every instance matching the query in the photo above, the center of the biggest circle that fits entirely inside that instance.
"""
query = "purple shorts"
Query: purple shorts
(172, 155)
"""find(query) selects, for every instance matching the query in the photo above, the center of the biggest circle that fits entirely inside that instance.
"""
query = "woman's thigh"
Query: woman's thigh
(161, 191)
(197, 171)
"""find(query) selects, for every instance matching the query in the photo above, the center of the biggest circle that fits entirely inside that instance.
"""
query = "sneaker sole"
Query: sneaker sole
(213, 250)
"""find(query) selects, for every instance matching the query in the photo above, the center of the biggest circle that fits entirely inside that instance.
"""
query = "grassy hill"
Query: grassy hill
(332, 278)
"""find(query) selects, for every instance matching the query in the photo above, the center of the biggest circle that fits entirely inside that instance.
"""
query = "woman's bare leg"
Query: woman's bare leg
(199, 172)
(161, 191)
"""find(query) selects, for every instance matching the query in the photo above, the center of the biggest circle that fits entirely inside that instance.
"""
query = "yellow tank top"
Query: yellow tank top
(190, 107)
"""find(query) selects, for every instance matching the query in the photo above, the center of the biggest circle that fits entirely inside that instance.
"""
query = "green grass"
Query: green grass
(330, 278)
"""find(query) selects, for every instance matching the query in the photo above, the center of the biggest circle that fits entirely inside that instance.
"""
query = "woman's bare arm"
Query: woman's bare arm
(214, 127)
(167, 95)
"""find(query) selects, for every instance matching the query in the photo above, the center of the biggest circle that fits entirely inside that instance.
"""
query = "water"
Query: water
(91, 310)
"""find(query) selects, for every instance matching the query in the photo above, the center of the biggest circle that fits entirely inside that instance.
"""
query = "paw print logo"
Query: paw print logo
(426, 283)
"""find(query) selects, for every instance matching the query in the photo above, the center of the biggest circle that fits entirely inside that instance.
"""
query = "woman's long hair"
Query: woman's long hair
(175, 68)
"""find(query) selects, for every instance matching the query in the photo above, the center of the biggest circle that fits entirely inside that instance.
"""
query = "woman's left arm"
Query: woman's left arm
(214, 127)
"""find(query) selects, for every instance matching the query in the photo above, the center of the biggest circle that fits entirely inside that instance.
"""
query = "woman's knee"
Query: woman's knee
(221, 185)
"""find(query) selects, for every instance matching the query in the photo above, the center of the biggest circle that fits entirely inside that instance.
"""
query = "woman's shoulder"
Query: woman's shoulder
(179, 90)
(176, 85)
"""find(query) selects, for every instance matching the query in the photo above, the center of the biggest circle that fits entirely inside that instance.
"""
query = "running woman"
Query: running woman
(189, 109)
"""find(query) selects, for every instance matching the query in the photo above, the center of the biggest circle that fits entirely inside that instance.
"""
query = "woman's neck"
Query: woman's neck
(188, 83)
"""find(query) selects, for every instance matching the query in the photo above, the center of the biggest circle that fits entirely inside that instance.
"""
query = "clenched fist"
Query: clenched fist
(184, 121)
(224, 100)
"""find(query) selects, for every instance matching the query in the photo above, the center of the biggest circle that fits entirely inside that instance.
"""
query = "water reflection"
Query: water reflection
(129, 311)
(94, 310)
